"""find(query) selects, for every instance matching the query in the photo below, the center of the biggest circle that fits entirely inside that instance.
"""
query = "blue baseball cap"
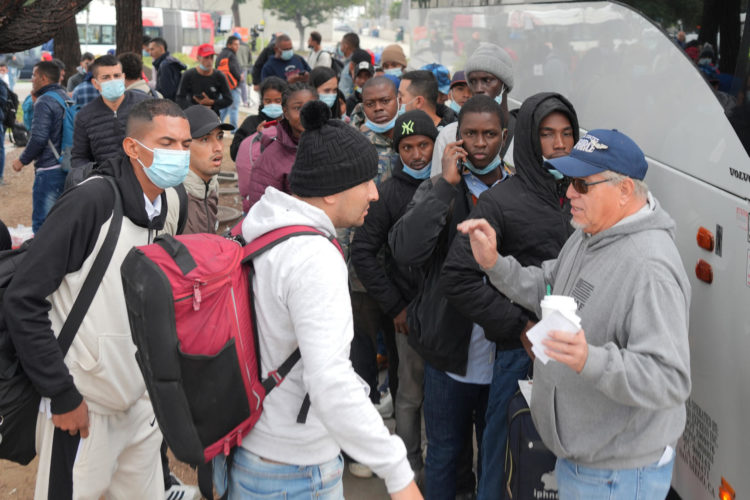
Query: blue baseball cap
(602, 150)
(442, 75)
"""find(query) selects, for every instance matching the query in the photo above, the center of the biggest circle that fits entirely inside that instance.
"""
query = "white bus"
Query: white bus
(183, 30)
(622, 71)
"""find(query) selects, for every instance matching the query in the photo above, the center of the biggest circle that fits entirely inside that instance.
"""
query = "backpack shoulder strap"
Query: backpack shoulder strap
(253, 249)
(54, 95)
(272, 238)
(182, 219)
(95, 276)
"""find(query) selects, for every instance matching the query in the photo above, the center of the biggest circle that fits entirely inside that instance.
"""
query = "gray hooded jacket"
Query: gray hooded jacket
(633, 296)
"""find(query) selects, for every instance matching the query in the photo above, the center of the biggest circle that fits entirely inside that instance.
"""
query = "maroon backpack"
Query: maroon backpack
(191, 311)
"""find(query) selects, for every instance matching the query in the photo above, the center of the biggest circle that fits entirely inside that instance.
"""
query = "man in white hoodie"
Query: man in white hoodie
(302, 300)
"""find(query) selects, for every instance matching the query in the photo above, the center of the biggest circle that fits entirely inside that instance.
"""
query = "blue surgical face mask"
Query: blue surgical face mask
(113, 89)
(287, 54)
(144, 53)
(402, 108)
(484, 170)
(169, 167)
(204, 68)
(455, 107)
(378, 127)
(423, 173)
(499, 98)
(555, 173)
(397, 72)
(329, 99)
(272, 110)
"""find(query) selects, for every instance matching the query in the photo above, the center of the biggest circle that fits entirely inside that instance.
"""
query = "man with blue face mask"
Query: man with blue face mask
(458, 359)
(379, 104)
(393, 287)
(285, 63)
(530, 214)
(100, 125)
(489, 71)
(96, 431)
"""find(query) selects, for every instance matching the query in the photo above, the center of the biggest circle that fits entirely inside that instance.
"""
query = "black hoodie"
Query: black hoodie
(60, 247)
(531, 224)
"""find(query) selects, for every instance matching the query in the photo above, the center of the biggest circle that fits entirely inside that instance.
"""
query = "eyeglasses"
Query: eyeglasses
(582, 187)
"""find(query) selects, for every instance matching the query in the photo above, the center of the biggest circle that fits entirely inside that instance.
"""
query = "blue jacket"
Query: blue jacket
(283, 69)
(168, 74)
(3, 97)
(47, 125)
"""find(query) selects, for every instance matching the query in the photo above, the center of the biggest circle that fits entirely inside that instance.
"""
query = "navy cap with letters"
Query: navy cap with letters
(601, 150)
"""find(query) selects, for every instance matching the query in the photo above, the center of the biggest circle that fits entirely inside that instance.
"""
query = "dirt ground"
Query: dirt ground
(17, 482)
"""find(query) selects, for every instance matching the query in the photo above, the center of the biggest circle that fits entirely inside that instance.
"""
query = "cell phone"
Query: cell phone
(460, 165)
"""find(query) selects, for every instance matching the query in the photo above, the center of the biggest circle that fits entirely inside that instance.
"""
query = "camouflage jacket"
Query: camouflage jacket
(387, 159)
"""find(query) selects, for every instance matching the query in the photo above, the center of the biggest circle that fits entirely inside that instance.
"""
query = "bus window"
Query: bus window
(108, 35)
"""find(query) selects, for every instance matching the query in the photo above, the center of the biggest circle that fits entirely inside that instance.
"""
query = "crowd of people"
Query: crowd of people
(455, 217)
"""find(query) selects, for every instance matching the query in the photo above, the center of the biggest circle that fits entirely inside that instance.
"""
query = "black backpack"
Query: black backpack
(336, 65)
(10, 108)
(529, 464)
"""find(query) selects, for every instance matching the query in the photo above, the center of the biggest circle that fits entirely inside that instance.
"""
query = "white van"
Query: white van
(622, 71)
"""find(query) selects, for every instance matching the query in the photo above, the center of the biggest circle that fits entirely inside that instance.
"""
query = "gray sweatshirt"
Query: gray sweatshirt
(633, 298)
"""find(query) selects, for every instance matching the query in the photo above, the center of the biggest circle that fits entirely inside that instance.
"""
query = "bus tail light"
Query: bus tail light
(704, 272)
(726, 492)
(705, 239)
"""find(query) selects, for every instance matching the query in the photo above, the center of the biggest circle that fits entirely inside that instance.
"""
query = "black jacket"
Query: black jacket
(99, 131)
(234, 63)
(249, 127)
(391, 285)
(60, 247)
(446, 114)
(262, 59)
(531, 224)
(168, 73)
(421, 239)
(194, 84)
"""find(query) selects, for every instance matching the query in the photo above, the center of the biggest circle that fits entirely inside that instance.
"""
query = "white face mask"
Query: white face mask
(6, 78)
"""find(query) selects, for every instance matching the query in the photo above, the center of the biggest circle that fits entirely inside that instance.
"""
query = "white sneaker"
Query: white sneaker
(359, 470)
(385, 407)
(180, 491)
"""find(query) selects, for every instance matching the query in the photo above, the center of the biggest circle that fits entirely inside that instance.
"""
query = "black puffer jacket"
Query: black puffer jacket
(421, 239)
(531, 223)
(391, 285)
(99, 131)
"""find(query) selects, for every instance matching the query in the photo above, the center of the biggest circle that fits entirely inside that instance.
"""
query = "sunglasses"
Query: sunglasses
(582, 187)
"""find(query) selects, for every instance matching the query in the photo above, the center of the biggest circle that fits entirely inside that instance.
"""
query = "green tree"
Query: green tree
(306, 13)
(28, 23)
(395, 10)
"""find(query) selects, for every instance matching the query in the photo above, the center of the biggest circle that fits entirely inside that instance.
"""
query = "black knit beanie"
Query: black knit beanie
(414, 122)
(331, 155)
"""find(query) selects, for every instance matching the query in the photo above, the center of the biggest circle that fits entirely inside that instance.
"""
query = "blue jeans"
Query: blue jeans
(576, 482)
(48, 186)
(450, 408)
(252, 477)
(510, 366)
(234, 110)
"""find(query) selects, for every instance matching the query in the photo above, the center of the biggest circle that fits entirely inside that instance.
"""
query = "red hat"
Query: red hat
(206, 50)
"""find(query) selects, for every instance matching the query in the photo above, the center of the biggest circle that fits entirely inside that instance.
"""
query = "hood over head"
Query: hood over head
(527, 150)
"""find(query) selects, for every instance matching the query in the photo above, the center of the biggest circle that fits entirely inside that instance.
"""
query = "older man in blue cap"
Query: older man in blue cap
(611, 404)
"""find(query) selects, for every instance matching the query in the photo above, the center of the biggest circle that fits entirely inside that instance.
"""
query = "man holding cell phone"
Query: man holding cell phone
(458, 359)
(530, 215)
(612, 406)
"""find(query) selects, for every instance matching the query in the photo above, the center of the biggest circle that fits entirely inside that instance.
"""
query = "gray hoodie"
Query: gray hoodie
(633, 298)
